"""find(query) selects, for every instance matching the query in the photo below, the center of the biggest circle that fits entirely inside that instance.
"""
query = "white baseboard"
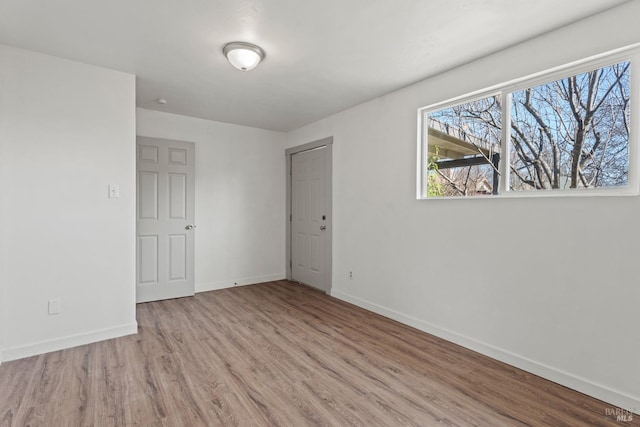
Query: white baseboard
(223, 284)
(68, 342)
(590, 388)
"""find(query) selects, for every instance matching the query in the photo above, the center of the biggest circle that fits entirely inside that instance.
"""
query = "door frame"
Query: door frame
(328, 143)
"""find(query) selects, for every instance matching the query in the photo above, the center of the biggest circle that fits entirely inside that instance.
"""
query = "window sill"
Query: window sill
(611, 192)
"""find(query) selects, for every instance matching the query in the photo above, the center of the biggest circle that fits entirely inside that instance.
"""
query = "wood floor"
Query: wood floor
(279, 354)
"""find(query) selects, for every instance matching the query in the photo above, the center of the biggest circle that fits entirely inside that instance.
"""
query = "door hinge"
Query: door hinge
(290, 217)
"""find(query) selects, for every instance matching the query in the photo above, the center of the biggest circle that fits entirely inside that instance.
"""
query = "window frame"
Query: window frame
(505, 91)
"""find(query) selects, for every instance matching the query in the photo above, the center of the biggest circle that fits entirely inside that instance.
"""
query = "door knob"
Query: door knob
(190, 227)
(323, 227)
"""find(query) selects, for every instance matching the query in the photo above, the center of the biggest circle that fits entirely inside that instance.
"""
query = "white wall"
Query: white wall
(3, 221)
(511, 278)
(67, 131)
(3, 248)
(240, 198)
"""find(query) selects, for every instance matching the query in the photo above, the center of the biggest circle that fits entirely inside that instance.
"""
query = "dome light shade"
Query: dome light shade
(243, 56)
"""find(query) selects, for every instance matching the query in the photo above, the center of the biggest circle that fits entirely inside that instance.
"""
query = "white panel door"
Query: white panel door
(308, 217)
(165, 219)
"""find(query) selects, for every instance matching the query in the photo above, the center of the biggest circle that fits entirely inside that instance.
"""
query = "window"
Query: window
(464, 148)
(573, 132)
(567, 132)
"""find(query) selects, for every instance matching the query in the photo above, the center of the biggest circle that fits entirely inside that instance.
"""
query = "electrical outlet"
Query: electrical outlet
(54, 306)
(351, 275)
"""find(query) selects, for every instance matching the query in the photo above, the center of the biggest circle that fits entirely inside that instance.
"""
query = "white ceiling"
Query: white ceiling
(323, 56)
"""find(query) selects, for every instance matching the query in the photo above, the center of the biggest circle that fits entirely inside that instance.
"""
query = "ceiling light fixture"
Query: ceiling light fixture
(243, 56)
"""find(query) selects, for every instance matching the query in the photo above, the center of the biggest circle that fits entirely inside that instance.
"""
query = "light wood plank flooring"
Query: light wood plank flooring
(279, 354)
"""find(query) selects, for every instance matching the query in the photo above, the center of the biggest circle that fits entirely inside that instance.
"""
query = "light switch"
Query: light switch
(54, 306)
(114, 191)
